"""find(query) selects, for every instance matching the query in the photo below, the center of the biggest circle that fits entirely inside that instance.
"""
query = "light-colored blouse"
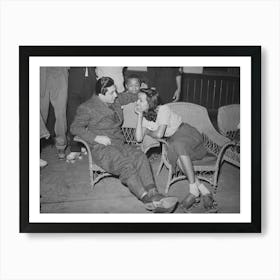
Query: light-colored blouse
(167, 117)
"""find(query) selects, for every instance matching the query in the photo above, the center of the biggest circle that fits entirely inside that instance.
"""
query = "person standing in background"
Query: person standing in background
(44, 133)
(81, 86)
(140, 72)
(115, 73)
(167, 81)
(53, 89)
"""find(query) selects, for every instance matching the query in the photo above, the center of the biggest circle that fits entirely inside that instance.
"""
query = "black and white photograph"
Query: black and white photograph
(140, 139)
(118, 143)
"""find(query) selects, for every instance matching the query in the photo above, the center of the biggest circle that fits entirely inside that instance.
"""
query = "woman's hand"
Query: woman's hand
(176, 95)
(138, 110)
(103, 140)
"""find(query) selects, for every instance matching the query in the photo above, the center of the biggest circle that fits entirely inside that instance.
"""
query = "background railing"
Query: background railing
(210, 91)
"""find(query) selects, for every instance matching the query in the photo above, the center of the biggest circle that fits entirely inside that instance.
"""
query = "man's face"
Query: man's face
(133, 86)
(110, 95)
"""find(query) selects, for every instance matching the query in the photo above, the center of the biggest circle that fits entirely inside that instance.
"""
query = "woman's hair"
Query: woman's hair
(153, 100)
(102, 84)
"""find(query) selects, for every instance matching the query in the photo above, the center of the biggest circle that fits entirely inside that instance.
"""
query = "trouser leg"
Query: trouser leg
(142, 165)
(58, 98)
(73, 103)
(44, 95)
(44, 133)
(87, 89)
(114, 160)
(135, 186)
(75, 98)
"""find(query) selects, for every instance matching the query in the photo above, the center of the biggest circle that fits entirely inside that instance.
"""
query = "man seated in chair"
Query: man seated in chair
(98, 121)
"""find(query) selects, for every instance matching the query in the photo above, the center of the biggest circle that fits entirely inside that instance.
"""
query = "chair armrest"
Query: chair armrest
(162, 141)
(148, 143)
(225, 155)
(79, 139)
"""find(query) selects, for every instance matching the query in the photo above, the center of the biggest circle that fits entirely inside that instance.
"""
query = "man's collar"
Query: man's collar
(99, 102)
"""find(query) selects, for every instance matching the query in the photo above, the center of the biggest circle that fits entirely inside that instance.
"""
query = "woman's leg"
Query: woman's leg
(186, 166)
(202, 188)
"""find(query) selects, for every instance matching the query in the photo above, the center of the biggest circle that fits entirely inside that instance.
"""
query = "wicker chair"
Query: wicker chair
(228, 120)
(96, 173)
(217, 146)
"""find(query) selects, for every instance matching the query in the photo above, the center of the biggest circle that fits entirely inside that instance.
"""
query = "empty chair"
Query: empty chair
(228, 120)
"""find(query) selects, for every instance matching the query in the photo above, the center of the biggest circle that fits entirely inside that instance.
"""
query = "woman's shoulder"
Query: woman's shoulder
(166, 110)
(163, 108)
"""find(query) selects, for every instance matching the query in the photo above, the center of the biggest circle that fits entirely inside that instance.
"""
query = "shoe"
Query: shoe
(159, 203)
(61, 154)
(43, 163)
(189, 201)
(73, 156)
(209, 203)
(84, 151)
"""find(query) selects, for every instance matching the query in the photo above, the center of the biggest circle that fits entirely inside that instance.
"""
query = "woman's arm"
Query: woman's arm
(140, 130)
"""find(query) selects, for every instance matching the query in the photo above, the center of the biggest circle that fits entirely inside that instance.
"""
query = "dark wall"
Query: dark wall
(209, 90)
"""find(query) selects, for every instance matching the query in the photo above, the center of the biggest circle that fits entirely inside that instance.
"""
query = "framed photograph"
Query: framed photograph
(140, 139)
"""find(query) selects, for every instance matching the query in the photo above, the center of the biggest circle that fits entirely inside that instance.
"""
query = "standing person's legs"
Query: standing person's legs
(44, 133)
(73, 103)
(77, 96)
(58, 97)
(75, 84)
(44, 94)
(88, 88)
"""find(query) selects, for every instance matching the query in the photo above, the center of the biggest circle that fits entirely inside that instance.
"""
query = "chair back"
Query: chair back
(193, 114)
(129, 116)
(129, 126)
(228, 118)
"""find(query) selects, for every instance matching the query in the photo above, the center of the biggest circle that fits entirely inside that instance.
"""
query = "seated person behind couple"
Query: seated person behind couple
(98, 121)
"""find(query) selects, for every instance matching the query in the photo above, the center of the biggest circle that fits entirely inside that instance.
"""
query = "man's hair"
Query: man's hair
(153, 100)
(133, 76)
(102, 85)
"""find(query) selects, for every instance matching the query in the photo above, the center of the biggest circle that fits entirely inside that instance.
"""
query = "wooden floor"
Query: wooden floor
(65, 188)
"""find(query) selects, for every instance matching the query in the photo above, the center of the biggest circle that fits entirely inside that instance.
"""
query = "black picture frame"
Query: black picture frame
(254, 52)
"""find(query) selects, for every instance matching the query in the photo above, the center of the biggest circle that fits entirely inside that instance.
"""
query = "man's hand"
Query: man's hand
(176, 95)
(103, 140)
